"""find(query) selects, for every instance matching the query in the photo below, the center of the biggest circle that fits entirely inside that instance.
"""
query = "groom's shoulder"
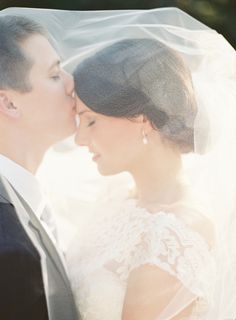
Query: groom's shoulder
(13, 237)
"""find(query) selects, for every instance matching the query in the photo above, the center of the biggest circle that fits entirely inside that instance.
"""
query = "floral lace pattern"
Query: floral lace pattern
(123, 237)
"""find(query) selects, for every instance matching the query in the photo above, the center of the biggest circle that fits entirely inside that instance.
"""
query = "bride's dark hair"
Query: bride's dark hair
(141, 76)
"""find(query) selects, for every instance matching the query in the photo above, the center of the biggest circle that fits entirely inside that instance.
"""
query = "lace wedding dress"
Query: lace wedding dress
(121, 237)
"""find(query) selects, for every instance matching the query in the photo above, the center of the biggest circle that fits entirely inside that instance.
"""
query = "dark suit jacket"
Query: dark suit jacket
(22, 293)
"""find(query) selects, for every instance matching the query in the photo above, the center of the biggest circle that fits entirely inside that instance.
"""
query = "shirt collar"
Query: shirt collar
(25, 183)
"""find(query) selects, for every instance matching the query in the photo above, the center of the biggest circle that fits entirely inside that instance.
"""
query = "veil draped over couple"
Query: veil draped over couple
(147, 222)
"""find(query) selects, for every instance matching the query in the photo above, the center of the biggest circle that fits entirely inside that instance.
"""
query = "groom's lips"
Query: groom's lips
(73, 104)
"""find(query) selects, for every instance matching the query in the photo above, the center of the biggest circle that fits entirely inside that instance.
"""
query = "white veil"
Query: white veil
(212, 62)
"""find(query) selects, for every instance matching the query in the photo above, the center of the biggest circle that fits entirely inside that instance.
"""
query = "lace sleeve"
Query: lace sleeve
(175, 248)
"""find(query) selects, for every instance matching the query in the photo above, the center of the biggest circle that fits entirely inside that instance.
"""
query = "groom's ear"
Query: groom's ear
(7, 107)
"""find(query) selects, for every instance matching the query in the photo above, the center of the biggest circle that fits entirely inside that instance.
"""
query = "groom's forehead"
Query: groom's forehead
(40, 52)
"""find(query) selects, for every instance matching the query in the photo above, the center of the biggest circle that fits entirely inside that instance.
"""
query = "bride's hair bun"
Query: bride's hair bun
(141, 76)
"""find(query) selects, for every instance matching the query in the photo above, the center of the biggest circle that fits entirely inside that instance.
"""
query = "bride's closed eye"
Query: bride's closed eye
(91, 123)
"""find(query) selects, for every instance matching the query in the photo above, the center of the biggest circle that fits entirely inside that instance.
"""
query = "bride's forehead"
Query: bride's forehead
(81, 107)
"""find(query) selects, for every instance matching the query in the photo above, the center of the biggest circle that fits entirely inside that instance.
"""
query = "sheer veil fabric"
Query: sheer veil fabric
(212, 170)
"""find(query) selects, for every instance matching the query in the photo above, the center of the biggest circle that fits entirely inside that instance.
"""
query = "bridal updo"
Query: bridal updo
(141, 77)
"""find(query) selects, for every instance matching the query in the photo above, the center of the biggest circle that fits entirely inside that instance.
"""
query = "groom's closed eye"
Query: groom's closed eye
(56, 74)
(56, 77)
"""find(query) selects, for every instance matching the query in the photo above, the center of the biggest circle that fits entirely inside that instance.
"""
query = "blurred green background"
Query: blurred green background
(218, 14)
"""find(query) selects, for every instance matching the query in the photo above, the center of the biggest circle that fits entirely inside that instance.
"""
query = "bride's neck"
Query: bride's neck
(158, 179)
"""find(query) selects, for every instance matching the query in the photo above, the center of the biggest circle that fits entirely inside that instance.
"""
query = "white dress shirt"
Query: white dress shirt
(26, 184)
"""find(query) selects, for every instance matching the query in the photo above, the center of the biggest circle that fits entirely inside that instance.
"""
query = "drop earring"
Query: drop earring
(145, 140)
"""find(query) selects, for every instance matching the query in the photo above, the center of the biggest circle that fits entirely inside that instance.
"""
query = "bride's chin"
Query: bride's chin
(107, 171)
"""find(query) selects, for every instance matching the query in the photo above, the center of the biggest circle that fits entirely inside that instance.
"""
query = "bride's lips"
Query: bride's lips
(96, 156)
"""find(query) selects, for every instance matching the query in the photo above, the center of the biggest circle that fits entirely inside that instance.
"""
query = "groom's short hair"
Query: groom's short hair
(14, 63)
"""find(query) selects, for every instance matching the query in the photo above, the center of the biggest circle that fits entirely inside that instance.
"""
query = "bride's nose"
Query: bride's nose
(80, 138)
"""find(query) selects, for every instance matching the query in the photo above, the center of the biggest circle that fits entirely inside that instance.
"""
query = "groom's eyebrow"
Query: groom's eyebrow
(56, 63)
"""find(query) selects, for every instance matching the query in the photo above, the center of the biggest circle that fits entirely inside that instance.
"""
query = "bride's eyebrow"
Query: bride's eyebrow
(83, 111)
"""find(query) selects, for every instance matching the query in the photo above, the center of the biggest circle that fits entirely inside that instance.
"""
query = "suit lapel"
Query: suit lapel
(3, 193)
(9, 194)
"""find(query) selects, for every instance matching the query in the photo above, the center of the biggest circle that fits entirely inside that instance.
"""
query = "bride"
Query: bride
(152, 248)
(155, 98)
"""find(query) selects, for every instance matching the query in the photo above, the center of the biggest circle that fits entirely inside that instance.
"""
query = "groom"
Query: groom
(37, 109)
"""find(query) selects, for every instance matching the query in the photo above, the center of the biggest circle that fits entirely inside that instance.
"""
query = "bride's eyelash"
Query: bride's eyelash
(91, 123)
